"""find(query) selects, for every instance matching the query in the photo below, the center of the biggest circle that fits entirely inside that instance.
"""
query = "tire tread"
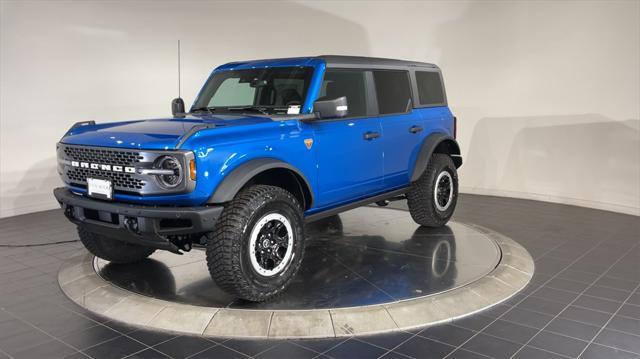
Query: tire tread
(224, 244)
(420, 197)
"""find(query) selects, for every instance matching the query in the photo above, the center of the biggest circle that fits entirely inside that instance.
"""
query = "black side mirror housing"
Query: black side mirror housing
(336, 108)
(177, 107)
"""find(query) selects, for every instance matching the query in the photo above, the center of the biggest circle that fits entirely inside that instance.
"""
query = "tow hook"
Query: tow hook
(131, 223)
(185, 246)
(68, 212)
(183, 242)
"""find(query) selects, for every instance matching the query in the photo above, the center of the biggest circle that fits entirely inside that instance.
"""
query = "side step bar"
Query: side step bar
(389, 196)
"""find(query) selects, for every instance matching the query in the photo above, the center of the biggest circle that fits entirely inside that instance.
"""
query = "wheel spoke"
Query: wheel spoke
(277, 229)
(274, 259)
(282, 240)
(271, 245)
(263, 260)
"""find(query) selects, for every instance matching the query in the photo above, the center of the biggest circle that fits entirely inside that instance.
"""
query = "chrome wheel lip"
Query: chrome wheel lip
(255, 232)
(441, 180)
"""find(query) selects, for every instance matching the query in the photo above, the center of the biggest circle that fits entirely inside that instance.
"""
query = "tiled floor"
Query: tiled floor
(583, 301)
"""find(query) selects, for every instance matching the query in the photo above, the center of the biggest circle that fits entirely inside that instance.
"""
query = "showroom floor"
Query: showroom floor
(583, 300)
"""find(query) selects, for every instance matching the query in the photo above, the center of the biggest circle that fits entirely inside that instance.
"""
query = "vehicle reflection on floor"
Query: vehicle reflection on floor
(369, 255)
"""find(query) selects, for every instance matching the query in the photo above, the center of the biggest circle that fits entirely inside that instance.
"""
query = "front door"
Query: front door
(349, 150)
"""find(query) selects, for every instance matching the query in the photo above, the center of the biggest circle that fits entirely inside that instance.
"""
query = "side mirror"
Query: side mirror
(177, 107)
(336, 108)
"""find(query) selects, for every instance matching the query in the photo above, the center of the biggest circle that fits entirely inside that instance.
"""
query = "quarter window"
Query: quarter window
(348, 83)
(393, 91)
(429, 88)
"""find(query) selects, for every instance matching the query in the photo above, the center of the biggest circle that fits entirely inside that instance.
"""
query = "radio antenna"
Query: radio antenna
(178, 68)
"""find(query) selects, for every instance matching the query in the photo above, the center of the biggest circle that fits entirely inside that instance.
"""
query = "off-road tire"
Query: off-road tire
(228, 256)
(420, 197)
(113, 250)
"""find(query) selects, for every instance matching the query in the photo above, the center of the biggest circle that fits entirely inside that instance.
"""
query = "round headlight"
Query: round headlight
(170, 163)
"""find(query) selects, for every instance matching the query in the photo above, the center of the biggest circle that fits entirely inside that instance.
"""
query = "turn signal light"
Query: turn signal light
(192, 170)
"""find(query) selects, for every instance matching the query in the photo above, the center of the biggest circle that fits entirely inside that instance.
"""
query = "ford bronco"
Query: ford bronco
(266, 146)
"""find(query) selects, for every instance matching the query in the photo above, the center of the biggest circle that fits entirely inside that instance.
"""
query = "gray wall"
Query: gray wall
(547, 93)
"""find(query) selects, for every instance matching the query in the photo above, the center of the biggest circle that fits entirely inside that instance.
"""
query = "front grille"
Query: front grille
(99, 155)
(123, 181)
(77, 163)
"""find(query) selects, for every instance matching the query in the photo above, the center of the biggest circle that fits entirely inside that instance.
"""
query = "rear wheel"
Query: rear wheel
(113, 250)
(258, 244)
(433, 197)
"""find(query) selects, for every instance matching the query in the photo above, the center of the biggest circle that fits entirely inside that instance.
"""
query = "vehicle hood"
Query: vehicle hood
(163, 133)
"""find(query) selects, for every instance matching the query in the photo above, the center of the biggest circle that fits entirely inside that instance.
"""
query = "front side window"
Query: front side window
(270, 90)
(393, 91)
(429, 88)
(348, 83)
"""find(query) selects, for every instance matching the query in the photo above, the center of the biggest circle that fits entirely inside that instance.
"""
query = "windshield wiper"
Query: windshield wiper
(261, 110)
(203, 109)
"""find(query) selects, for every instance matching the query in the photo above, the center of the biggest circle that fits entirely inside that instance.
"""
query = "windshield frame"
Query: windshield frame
(213, 83)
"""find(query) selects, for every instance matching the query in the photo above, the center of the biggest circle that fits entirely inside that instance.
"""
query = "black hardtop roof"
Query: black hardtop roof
(333, 61)
(339, 60)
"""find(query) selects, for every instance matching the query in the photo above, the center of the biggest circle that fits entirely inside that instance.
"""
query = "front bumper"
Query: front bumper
(144, 225)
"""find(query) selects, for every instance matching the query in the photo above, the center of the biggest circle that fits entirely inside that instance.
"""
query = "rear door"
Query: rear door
(402, 127)
(349, 153)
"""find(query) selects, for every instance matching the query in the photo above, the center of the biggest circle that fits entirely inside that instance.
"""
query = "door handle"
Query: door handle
(371, 135)
(415, 129)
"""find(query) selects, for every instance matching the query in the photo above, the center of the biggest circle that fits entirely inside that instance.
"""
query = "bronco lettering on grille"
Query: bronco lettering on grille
(103, 167)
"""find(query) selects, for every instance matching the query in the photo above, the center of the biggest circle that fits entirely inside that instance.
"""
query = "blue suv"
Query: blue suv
(267, 146)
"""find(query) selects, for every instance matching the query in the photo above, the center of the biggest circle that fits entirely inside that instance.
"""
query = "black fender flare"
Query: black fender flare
(428, 147)
(240, 176)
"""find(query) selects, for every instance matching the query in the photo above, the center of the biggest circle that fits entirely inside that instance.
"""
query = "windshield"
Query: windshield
(278, 90)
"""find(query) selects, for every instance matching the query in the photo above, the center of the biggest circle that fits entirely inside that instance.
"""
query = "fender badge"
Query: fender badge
(308, 142)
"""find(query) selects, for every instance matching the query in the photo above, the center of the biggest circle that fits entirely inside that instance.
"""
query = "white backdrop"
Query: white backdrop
(547, 93)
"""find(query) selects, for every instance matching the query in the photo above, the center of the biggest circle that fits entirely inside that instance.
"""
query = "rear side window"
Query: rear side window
(430, 90)
(393, 91)
(348, 83)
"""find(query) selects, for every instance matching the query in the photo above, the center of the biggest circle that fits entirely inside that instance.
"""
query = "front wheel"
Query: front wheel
(433, 197)
(258, 243)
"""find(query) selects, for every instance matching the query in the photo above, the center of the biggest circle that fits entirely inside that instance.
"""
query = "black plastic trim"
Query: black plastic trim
(240, 176)
(203, 219)
(356, 204)
(82, 123)
(426, 150)
(191, 131)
